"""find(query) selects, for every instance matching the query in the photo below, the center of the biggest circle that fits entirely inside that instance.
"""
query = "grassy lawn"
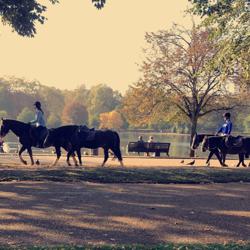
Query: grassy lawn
(231, 246)
(129, 175)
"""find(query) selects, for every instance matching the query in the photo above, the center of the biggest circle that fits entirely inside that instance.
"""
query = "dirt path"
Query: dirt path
(8, 161)
(88, 213)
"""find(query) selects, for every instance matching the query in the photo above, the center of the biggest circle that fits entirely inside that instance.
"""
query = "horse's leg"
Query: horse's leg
(241, 160)
(30, 154)
(20, 155)
(220, 158)
(68, 155)
(209, 158)
(117, 153)
(58, 155)
(71, 153)
(78, 151)
(106, 156)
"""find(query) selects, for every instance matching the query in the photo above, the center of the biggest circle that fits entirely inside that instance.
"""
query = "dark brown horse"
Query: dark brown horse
(226, 146)
(79, 138)
(198, 139)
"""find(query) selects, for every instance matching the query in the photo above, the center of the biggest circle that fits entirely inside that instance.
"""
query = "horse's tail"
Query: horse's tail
(117, 150)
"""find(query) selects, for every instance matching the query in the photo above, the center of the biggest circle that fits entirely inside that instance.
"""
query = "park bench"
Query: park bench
(149, 147)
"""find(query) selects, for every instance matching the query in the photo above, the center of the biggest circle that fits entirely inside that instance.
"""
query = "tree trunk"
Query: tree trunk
(193, 131)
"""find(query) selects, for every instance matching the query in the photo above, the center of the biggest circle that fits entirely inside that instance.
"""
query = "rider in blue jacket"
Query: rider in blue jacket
(226, 128)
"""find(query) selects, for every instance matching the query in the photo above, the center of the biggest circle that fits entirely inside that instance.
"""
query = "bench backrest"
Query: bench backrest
(147, 146)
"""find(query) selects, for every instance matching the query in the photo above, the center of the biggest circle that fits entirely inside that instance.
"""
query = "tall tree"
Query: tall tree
(176, 66)
(23, 15)
(229, 21)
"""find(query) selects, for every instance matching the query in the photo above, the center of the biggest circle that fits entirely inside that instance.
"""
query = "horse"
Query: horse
(198, 139)
(25, 133)
(106, 139)
(225, 146)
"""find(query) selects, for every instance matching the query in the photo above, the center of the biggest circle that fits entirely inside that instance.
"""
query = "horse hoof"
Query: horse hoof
(25, 162)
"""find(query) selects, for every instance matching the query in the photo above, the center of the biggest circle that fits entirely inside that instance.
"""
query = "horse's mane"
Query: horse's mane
(15, 121)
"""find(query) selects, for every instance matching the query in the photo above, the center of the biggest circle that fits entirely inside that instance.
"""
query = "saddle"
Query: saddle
(89, 131)
(235, 142)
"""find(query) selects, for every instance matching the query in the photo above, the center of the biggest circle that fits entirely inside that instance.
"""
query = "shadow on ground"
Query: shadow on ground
(41, 213)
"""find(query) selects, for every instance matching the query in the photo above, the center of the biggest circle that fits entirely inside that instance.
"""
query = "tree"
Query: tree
(101, 99)
(75, 113)
(53, 121)
(52, 99)
(229, 21)
(23, 15)
(26, 115)
(3, 114)
(176, 69)
(111, 120)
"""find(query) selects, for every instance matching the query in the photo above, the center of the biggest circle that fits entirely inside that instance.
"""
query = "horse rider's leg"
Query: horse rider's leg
(30, 154)
(58, 155)
(20, 155)
(79, 155)
(106, 156)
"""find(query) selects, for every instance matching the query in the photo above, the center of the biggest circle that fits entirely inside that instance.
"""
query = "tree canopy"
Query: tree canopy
(229, 22)
(23, 15)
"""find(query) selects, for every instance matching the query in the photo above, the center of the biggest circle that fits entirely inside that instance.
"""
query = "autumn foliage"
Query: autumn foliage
(74, 113)
(111, 120)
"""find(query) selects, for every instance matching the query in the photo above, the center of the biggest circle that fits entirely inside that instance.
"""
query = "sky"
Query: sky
(79, 44)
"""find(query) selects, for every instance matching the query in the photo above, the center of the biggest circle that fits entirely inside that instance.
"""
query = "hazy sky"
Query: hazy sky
(80, 44)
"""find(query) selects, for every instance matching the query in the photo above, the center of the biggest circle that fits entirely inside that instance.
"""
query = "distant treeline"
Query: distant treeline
(99, 107)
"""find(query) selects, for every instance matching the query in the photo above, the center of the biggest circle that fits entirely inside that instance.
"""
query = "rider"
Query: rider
(40, 124)
(226, 128)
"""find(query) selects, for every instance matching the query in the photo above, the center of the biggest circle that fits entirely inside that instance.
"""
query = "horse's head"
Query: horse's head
(49, 140)
(205, 144)
(4, 128)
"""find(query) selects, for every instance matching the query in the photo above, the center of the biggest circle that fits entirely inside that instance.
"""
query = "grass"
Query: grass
(170, 246)
(130, 175)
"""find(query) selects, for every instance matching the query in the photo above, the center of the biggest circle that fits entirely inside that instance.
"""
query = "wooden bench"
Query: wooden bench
(149, 147)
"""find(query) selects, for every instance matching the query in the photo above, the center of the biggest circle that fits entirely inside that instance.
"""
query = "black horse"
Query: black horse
(198, 139)
(25, 132)
(226, 146)
(107, 139)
